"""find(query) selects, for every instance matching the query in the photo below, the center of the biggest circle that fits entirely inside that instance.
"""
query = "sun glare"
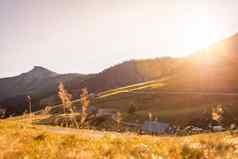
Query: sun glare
(199, 34)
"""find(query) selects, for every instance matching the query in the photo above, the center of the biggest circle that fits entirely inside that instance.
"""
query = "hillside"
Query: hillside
(124, 74)
(212, 69)
(180, 108)
(25, 82)
(41, 83)
(130, 72)
(187, 93)
(37, 80)
(38, 83)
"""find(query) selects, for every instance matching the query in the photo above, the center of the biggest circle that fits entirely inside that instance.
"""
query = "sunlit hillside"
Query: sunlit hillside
(42, 87)
(118, 79)
(177, 107)
(209, 70)
(213, 69)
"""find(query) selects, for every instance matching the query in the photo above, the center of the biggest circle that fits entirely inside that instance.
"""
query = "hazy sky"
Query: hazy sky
(90, 35)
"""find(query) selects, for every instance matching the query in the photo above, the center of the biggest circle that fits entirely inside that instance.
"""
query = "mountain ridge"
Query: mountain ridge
(209, 69)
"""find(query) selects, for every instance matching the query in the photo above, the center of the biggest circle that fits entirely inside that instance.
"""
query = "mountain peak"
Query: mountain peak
(39, 72)
(40, 68)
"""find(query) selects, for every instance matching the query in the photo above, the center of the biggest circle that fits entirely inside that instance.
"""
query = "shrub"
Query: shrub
(132, 109)
(217, 113)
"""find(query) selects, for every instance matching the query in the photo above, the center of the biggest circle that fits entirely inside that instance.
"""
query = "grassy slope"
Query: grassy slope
(175, 108)
(20, 139)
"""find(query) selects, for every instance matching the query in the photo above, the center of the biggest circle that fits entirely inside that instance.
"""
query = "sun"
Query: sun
(200, 33)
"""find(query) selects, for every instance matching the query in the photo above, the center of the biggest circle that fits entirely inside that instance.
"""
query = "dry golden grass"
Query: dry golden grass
(65, 97)
(20, 139)
(84, 97)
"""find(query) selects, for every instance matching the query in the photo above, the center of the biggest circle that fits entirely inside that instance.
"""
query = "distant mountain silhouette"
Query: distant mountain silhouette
(129, 72)
(211, 69)
(38, 83)
(35, 80)
(42, 84)
(24, 82)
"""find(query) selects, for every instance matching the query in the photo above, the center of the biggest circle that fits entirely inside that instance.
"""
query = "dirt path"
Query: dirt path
(85, 132)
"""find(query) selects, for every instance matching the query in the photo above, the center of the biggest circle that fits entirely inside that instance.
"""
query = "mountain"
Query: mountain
(38, 79)
(126, 73)
(38, 83)
(130, 72)
(210, 69)
(189, 91)
(42, 84)
(24, 83)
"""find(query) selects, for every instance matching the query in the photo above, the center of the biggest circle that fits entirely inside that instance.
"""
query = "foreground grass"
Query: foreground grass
(21, 139)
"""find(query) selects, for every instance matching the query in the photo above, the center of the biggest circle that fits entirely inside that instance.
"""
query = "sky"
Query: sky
(87, 36)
